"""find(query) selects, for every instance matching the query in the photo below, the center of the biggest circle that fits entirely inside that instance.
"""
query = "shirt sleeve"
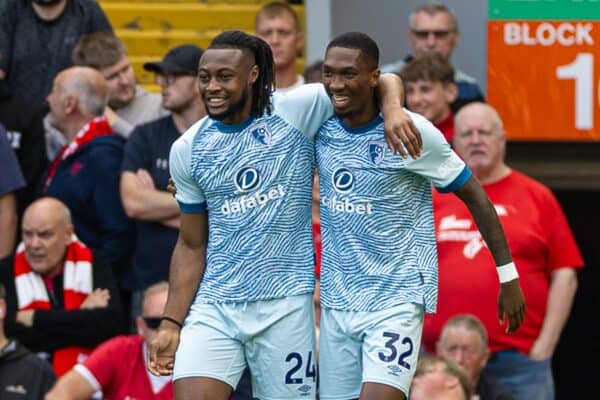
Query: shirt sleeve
(189, 195)
(137, 152)
(101, 363)
(562, 247)
(438, 162)
(306, 107)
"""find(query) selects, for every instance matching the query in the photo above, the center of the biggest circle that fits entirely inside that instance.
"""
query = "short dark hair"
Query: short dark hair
(312, 73)
(360, 41)
(98, 50)
(263, 57)
(430, 67)
(275, 9)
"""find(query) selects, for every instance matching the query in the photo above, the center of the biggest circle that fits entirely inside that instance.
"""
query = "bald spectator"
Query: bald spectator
(544, 250)
(118, 367)
(439, 379)
(85, 172)
(37, 38)
(22, 374)
(61, 297)
(434, 29)
(464, 340)
(277, 23)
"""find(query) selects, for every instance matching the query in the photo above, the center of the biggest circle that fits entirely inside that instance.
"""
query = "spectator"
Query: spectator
(22, 374)
(61, 298)
(26, 136)
(277, 24)
(36, 40)
(145, 168)
(464, 340)
(543, 247)
(118, 367)
(85, 173)
(129, 104)
(11, 180)
(430, 91)
(439, 379)
(434, 29)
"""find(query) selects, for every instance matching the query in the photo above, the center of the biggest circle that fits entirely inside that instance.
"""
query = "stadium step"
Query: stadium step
(149, 28)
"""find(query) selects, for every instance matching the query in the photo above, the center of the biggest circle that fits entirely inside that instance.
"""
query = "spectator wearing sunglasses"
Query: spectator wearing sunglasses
(434, 29)
(118, 366)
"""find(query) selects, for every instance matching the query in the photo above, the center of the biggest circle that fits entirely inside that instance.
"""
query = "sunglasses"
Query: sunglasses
(425, 34)
(152, 322)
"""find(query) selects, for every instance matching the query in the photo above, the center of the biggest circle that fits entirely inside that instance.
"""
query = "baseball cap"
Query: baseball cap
(180, 60)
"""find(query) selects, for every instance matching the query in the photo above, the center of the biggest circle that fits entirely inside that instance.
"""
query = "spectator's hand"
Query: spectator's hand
(401, 134)
(161, 350)
(144, 179)
(97, 299)
(26, 317)
(110, 115)
(511, 305)
(541, 350)
(171, 187)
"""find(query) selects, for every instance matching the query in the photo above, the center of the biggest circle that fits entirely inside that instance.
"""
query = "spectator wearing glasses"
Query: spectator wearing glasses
(118, 366)
(434, 29)
(145, 168)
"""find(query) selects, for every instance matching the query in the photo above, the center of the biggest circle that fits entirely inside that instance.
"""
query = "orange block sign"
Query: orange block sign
(544, 78)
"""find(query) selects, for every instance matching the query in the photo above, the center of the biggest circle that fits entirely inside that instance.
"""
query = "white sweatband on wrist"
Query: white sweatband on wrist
(507, 272)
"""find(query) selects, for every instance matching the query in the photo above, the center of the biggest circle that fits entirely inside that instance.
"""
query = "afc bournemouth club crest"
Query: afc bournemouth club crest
(262, 134)
(376, 152)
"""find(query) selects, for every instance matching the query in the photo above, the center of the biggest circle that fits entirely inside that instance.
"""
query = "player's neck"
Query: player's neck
(368, 114)
(285, 76)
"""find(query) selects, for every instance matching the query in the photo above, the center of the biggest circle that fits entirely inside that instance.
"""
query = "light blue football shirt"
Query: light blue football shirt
(378, 239)
(255, 181)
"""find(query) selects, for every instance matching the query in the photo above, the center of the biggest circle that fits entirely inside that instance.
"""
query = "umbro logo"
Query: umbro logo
(394, 370)
(305, 390)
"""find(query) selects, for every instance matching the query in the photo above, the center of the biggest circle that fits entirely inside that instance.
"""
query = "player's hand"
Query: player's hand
(541, 350)
(161, 350)
(401, 134)
(171, 187)
(511, 305)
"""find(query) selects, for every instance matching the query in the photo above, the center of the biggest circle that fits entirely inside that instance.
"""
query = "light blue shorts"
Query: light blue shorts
(373, 346)
(275, 338)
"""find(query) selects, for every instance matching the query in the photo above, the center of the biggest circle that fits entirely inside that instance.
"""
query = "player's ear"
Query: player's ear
(374, 79)
(253, 75)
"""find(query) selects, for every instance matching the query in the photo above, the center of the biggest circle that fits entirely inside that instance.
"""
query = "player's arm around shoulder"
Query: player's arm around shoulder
(511, 302)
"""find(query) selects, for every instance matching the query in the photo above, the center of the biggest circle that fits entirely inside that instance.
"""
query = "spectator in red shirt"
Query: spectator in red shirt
(118, 366)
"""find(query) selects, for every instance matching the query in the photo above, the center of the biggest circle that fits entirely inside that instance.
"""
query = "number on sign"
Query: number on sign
(296, 359)
(394, 337)
(582, 70)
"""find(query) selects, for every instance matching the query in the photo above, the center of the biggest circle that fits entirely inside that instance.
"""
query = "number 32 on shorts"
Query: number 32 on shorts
(296, 373)
(394, 349)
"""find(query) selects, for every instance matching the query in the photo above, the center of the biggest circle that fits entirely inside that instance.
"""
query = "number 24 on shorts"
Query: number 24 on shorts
(390, 344)
(296, 359)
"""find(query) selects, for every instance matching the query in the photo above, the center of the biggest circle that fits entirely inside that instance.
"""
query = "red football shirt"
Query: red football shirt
(540, 241)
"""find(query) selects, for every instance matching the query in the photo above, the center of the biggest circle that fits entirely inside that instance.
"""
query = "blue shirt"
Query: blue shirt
(378, 242)
(255, 181)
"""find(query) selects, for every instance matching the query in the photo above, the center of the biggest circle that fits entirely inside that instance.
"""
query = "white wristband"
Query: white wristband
(507, 272)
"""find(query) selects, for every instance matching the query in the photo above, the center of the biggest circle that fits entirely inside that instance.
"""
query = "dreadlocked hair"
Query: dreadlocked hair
(263, 57)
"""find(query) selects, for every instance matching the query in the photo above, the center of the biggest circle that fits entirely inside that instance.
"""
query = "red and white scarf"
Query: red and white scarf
(97, 127)
(77, 285)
